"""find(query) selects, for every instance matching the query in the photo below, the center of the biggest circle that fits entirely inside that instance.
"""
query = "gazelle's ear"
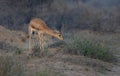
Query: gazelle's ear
(60, 28)
(56, 31)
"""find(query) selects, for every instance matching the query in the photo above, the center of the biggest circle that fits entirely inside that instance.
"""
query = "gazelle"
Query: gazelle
(39, 26)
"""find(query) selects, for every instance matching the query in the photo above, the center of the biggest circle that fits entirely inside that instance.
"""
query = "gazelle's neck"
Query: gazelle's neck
(50, 32)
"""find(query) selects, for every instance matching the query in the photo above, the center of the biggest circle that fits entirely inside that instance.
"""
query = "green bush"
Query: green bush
(88, 48)
(19, 51)
(10, 67)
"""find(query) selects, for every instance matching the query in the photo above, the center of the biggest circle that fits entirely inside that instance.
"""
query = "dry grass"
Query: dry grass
(47, 73)
(10, 67)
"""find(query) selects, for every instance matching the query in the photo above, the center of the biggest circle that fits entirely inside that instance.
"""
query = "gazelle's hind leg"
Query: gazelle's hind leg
(30, 40)
(30, 33)
(40, 41)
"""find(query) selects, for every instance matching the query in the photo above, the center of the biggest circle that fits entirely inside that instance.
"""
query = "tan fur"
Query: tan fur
(40, 26)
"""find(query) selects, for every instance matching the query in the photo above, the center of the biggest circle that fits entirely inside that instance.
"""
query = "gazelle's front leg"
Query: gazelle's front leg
(30, 33)
(41, 41)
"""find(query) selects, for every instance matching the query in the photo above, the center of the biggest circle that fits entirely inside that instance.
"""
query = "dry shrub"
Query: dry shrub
(90, 49)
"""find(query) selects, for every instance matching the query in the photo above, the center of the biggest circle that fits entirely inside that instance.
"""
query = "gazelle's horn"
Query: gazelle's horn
(60, 23)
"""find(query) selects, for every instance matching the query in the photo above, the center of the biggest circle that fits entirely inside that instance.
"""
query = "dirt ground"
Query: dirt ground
(58, 62)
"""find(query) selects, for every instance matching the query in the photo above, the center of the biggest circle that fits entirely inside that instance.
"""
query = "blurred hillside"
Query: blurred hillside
(98, 15)
(85, 52)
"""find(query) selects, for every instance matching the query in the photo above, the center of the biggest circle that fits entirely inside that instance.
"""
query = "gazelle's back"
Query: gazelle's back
(38, 24)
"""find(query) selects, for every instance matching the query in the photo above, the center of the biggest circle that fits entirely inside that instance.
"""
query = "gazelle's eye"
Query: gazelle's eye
(59, 34)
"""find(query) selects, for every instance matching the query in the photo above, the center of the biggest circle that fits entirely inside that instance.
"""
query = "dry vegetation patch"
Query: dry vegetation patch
(89, 48)
(10, 66)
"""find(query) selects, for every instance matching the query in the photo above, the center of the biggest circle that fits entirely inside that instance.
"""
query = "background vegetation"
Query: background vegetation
(98, 15)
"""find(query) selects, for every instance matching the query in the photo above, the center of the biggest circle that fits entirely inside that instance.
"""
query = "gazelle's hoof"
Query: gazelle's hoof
(30, 53)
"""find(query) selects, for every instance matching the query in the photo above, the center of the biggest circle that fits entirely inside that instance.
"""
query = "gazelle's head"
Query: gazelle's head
(59, 35)
(59, 27)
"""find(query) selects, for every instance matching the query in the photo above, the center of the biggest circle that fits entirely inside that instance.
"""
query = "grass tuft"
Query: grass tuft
(89, 48)
(19, 51)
